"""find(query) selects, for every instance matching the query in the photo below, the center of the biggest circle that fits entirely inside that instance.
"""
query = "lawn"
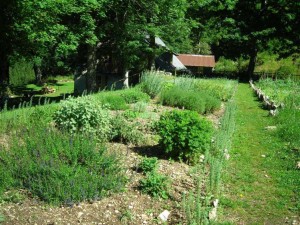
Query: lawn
(261, 182)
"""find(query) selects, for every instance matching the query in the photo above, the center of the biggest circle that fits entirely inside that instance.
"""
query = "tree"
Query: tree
(239, 27)
(8, 12)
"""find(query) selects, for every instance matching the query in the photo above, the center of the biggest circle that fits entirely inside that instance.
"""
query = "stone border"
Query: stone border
(267, 102)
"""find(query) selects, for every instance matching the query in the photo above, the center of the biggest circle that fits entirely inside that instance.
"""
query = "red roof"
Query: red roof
(197, 60)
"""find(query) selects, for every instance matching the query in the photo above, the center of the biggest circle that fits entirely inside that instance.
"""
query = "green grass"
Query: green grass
(260, 182)
(61, 87)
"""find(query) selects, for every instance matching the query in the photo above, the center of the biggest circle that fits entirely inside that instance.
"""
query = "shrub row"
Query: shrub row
(198, 101)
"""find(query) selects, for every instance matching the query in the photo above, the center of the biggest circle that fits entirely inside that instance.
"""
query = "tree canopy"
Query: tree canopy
(68, 33)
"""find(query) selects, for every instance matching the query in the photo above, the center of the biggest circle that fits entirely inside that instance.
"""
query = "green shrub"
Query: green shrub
(126, 131)
(148, 164)
(114, 102)
(222, 89)
(178, 97)
(59, 168)
(184, 134)
(83, 115)
(155, 185)
(134, 95)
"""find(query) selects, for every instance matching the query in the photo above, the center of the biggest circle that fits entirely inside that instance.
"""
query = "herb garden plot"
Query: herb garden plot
(113, 182)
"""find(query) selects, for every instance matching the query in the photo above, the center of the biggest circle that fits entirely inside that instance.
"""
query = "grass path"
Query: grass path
(260, 181)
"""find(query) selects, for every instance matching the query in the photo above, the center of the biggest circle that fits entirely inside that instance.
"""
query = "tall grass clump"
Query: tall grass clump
(59, 168)
(21, 73)
(185, 83)
(152, 83)
(26, 115)
(196, 207)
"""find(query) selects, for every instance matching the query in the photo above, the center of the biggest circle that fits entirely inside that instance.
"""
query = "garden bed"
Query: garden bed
(130, 205)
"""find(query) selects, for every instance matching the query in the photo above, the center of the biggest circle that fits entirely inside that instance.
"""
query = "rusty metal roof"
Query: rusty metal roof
(197, 60)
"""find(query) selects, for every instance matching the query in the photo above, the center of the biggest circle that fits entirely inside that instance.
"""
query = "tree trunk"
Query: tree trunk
(251, 66)
(91, 75)
(38, 74)
(4, 70)
(151, 56)
(126, 79)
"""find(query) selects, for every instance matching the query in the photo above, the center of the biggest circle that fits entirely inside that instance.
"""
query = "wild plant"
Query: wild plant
(148, 164)
(155, 185)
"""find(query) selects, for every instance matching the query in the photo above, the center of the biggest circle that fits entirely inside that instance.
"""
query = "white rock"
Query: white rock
(264, 156)
(213, 213)
(164, 215)
(227, 156)
(298, 165)
(270, 127)
(79, 214)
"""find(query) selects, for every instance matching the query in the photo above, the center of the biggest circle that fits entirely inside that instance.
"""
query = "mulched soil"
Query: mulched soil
(127, 207)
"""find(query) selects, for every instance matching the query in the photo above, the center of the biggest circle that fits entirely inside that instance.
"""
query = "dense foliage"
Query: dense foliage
(148, 164)
(83, 115)
(184, 134)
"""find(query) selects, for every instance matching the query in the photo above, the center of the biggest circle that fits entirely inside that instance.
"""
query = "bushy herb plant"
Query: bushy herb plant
(83, 115)
(184, 134)
(126, 131)
(148, 164)
(140, 107)
(155, 185)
